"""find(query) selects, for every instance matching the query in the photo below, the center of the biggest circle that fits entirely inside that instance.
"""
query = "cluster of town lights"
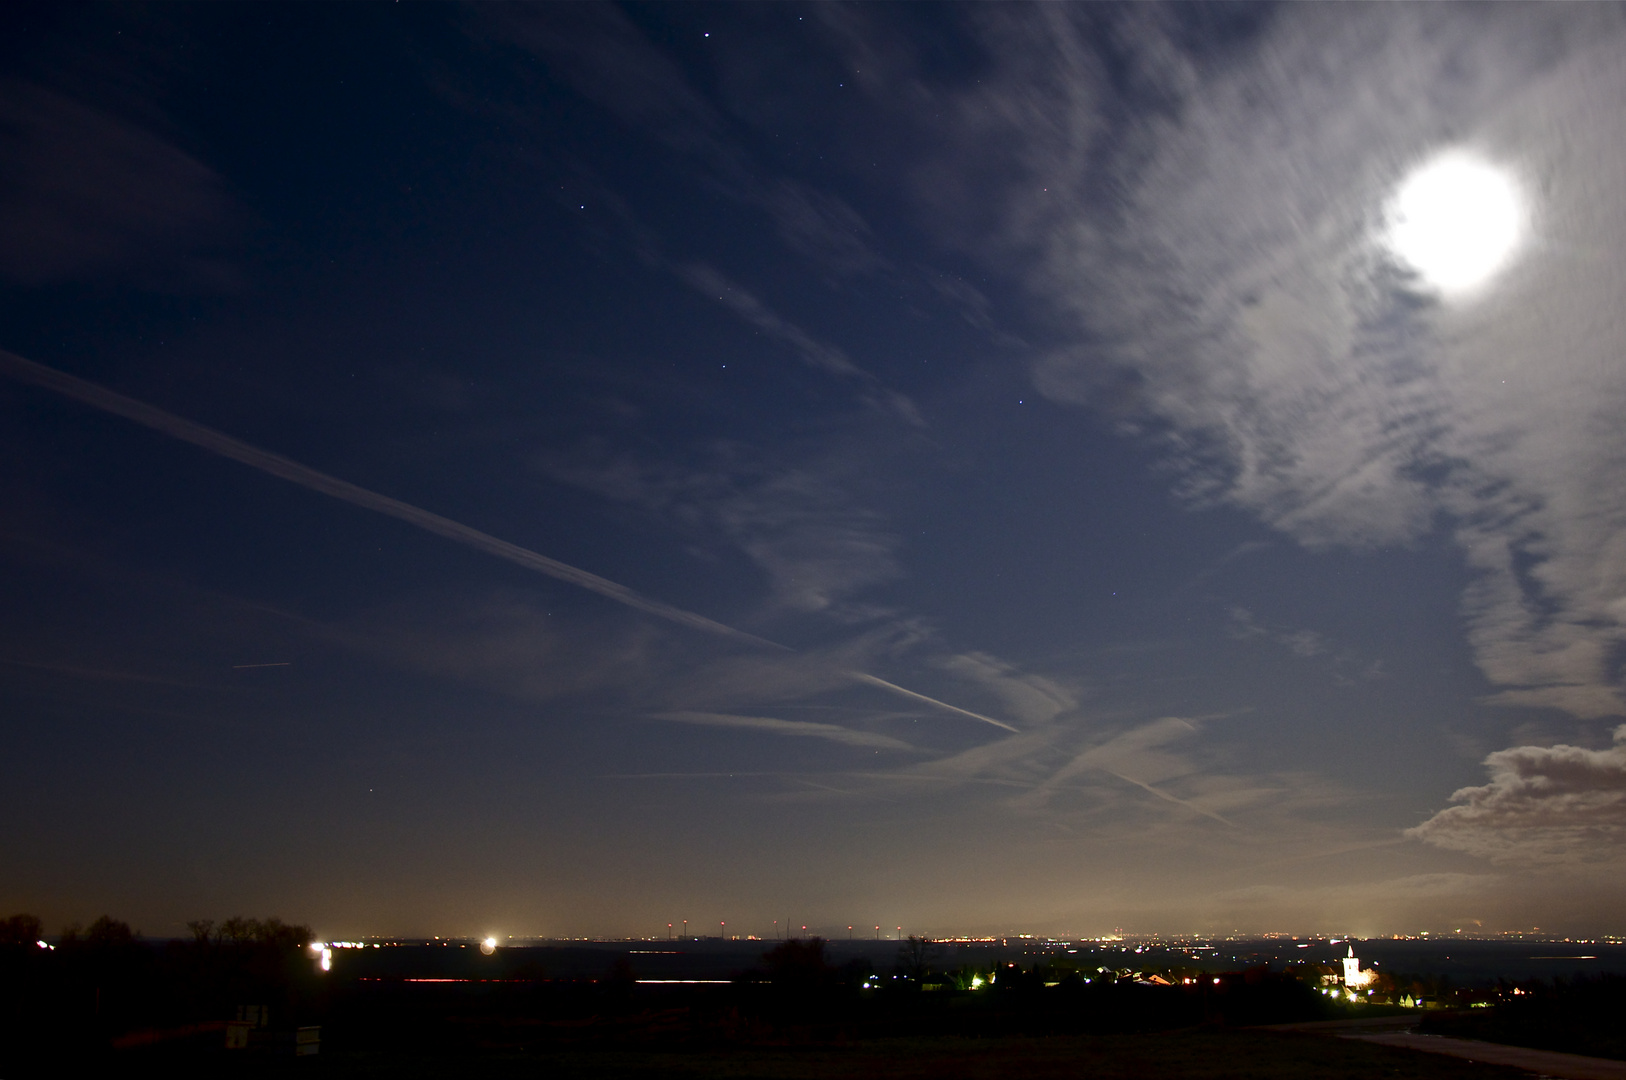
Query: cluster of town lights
(1353, 983)
(324, 949)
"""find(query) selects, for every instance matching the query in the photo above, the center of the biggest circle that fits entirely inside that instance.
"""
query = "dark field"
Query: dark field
(1575, 1016)
(1197, 1054)
(796, 1010)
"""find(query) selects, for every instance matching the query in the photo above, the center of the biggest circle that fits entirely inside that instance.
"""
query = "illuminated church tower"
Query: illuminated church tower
(1352, 969)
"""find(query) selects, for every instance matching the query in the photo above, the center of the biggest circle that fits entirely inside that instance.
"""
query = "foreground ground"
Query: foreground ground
(1410, 1032)
(1197, 1054)
(1547, 1063)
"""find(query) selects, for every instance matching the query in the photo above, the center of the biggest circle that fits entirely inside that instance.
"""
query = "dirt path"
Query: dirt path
(1541, 1062)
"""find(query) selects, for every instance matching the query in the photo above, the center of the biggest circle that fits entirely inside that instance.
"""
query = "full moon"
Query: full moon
(1456, 220)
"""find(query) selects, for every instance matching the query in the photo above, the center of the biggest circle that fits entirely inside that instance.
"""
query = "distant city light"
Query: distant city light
(327, 959)
(488, 946)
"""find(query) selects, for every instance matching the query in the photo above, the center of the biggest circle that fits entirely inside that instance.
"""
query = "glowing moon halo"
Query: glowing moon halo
(1456, 220)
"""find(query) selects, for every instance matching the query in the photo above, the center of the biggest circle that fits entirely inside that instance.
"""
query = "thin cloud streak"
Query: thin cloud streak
(106, 676)
(99, 397)
(1232, 298)
(871, 680)
(1160, 793)
(690, 775)
(812, 352)
(799, 525)
(603, 56)
(88, 194)
(187, 431)
(796, 728)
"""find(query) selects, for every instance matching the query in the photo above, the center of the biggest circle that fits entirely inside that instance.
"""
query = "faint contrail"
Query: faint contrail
(305, 476)
(177, 427)
(1160, 793)
(901, 692)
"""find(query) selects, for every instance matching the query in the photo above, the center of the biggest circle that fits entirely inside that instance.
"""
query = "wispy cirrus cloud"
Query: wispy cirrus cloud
(294, 472)
(817, 546)
(1205, 219)
(840, 667)
(1109, 773)
(1103, 774)
(1298, 373)
(88, 193)
(506, 644)
(1136, 757)
(1234, 300)
(816, 354)
(1346, 664)
(1031, 698)
(602, 55)
(802, 729)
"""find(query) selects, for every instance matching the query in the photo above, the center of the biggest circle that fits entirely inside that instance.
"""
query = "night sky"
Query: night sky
(566, 470)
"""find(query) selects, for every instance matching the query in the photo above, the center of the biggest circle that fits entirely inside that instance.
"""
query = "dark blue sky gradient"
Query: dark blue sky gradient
(818, 322)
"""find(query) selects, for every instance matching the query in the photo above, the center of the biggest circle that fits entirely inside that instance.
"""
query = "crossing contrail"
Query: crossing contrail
(177, 427)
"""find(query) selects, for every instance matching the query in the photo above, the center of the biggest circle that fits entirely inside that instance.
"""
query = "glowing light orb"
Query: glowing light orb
(488, 946)
(1456, 220)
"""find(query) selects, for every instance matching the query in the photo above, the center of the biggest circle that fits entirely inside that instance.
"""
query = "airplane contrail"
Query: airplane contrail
(902, 692)
(82, 390)
(187, 431)
(1160, 793)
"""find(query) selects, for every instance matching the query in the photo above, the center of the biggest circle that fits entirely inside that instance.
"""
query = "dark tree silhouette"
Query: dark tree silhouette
(109, 933)
(273, 934)
(797, 962)
(238, 930)
(915, 957)
(21, 930)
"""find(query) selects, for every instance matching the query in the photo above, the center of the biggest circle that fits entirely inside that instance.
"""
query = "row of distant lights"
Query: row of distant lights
(324, 949)
(978, 982)
(488, 945)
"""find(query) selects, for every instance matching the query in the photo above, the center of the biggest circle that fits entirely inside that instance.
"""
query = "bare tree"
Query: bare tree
(21, 930)
(110, 933)
(915, 957)
(238, 930)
